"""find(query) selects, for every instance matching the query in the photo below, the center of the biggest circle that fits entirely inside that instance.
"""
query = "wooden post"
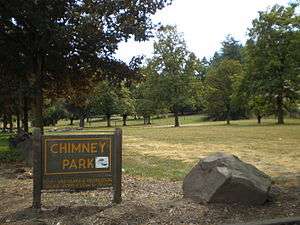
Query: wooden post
(117, 172)
(37, 168)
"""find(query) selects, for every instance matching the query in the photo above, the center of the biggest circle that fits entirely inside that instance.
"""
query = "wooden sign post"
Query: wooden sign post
(81, 162)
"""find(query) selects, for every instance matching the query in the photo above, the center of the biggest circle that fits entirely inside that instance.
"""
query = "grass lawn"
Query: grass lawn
(4, 142)
(117, 121)
(164, 152)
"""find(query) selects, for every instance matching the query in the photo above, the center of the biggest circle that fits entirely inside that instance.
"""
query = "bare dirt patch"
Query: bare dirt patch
(145, 201)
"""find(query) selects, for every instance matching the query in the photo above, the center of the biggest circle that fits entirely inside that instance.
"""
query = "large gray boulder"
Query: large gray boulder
(224, 178)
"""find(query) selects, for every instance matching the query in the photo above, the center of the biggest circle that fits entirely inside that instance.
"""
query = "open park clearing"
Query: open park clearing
(155, 160)
(167, 152)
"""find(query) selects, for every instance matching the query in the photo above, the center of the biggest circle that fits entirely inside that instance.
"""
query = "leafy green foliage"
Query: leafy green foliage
(66, 44)
(221, 85)
(105, 101)
(7, 154)
(54, 113)
(273, 56)
(126, 103)
(231, 49)
(174, 70)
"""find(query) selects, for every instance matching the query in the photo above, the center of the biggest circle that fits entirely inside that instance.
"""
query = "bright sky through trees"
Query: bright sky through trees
(205, 23)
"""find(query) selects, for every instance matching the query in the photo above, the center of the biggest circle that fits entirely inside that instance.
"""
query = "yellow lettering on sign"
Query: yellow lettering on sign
(82, 163)
(65, 163)
(85, 147)
(63, 148)
(54, 150)
(90, 163)
(101, 146)
(76, 148)
(73, 164)
(93, 148)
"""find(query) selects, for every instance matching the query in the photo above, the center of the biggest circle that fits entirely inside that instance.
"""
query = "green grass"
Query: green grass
(4, 142)
(154, 167)
(117, 121)
(161, 151)
(7, 154)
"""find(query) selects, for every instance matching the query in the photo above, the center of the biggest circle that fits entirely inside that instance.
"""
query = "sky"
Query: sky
(204, 24)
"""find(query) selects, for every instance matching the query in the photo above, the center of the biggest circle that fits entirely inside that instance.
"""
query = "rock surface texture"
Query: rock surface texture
(224, 178)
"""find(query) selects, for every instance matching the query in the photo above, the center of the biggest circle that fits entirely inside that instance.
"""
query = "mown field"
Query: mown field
(163, 152)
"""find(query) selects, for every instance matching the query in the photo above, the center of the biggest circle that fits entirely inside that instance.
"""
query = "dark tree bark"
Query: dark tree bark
(71, 121)
(124, 120)
(81, 122)
(176, 118)
(25, 115)
(38, 97)
(108, 120)
(145, 120)
(5, 122)
(259, 119)
(280, 113)
(11, 125)
(18, 122)
(228, 115)
(149, 120)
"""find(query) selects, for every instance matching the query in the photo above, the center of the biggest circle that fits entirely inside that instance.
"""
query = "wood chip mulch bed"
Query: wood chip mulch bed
(145, 201)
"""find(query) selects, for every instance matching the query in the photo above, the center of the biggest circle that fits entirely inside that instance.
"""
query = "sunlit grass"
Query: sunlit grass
(165, 152)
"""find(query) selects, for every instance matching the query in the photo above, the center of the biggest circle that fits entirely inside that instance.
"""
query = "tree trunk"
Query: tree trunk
(227, 121)
(25, 115)
(124, 120)
(81, 122)
(11, 125)
(18, 122)
(176, 118)
(259, 119)
(38, 97)
(4, 122)
(108, 119)
(228, 117)
(149, 120)
(280, 110)
(145, 120)
(71, 121)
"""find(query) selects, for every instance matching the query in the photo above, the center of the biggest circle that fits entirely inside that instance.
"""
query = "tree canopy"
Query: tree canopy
(273, 57)
(66, 43)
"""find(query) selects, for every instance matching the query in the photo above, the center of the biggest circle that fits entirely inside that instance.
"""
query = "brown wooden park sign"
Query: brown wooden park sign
(77, 162)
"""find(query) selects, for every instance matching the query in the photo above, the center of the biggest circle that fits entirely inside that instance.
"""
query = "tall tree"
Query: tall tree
(69, 40)
(126, 103)
(221, 85)
(231, 49)
(273, 56)
(105, 101)
(172, 63)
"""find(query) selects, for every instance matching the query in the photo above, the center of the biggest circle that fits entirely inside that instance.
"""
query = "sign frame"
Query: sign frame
(40, 168)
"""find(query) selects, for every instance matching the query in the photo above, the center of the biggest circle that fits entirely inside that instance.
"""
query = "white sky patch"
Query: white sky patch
(204, 23)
